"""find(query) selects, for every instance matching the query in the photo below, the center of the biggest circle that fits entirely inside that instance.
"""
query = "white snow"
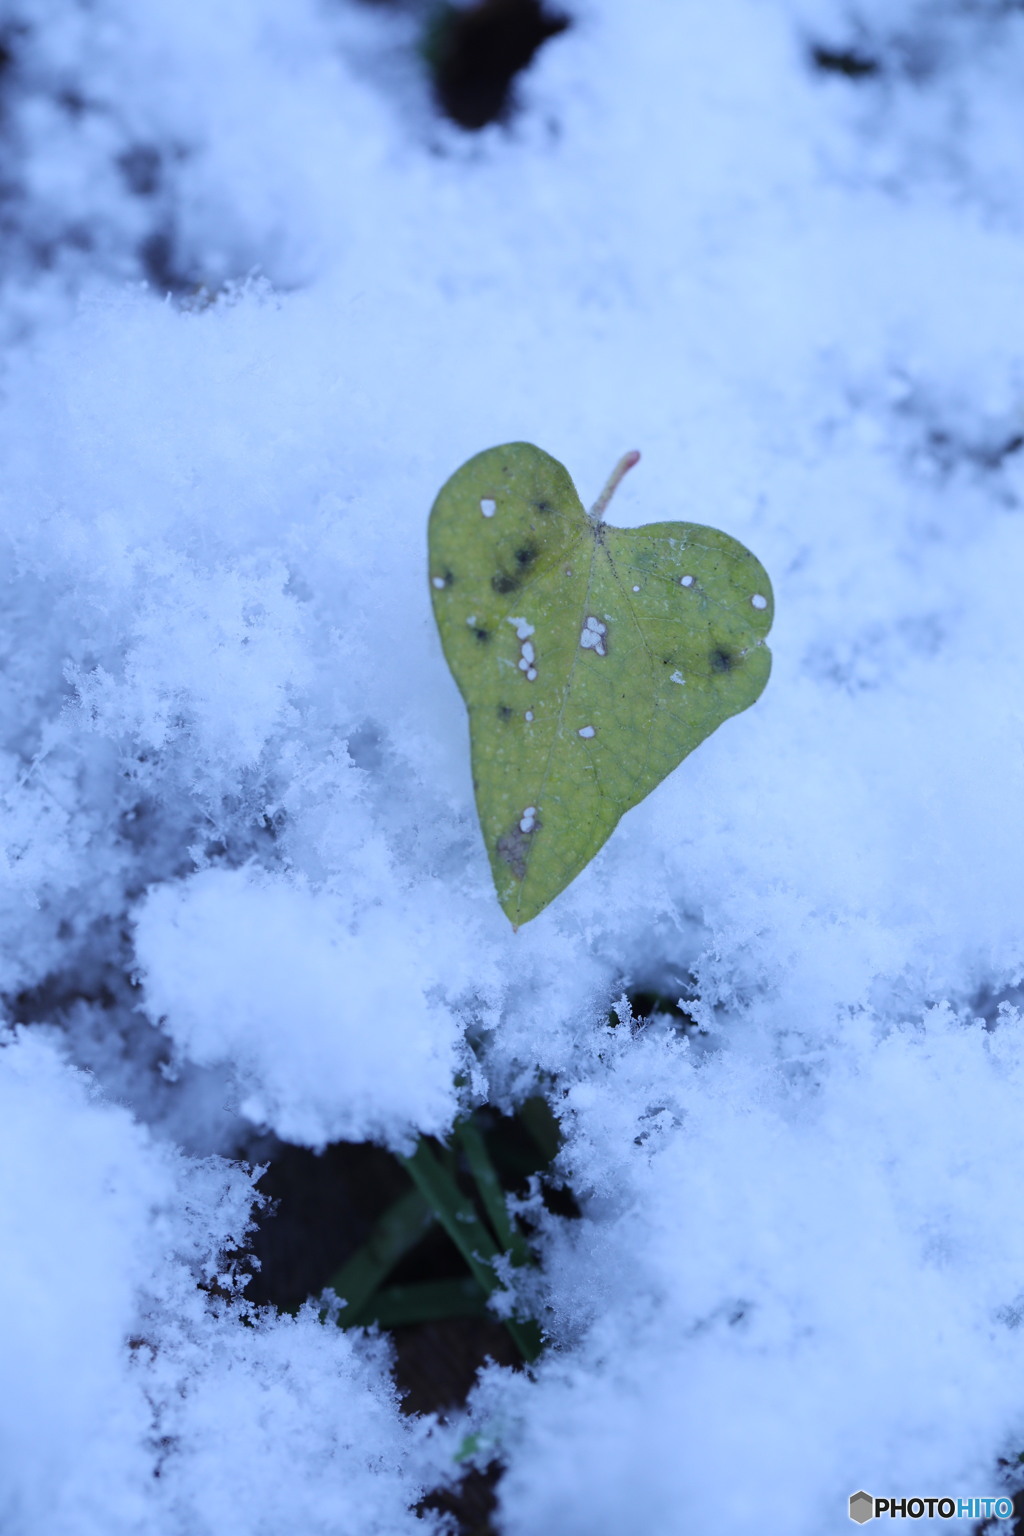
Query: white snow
(241, 881)
(117, 1369)
(288, 991)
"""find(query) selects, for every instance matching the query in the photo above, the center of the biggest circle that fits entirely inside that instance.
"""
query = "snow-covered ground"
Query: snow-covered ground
(242, 882)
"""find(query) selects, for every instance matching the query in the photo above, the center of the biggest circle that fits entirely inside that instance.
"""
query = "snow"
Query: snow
(725, 1222)
(265, 978)
(241, 882)
(116, 1369)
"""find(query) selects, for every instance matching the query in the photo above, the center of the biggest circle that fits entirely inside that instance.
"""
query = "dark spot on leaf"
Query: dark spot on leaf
(721, 661)
(449, 578)
(544, 506)
(526, 556)
(504, 712)
(666, 661)
(483, 635)
(514, 847)
(502, 583)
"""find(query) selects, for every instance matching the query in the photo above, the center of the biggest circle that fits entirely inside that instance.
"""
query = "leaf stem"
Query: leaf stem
(622, 468)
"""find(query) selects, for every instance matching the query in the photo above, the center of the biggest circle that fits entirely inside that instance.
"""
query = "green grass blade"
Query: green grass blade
(425, 1301)
(491, 1193)
(535, 1113)
(456, 1214)
(398, 1230)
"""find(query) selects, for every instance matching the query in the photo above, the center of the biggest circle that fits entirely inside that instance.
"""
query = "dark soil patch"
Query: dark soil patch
(475, 55)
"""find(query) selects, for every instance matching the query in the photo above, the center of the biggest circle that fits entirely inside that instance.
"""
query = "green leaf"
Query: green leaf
(468, 1446)
(592, 659)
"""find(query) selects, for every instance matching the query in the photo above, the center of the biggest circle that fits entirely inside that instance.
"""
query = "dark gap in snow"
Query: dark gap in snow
(992, 1005)
(916, 53)
(7, 46)
(472, 1502)
(647, 1006)
(945, 438)
(851, 62)
(365, 746)
(436, 1363)
(142, 169)
(947, 449)
(921, 46)
(475, 54)
(874, 655)
(97, 975)
(161, 263)
(322, 1208)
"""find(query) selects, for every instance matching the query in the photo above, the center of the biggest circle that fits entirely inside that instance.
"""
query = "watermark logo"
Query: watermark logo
(864, 1507)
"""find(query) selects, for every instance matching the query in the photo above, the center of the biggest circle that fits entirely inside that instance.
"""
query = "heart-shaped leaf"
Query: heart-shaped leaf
(592, 659)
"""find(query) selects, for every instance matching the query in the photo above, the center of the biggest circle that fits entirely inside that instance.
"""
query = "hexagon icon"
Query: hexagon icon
(862, 1507)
